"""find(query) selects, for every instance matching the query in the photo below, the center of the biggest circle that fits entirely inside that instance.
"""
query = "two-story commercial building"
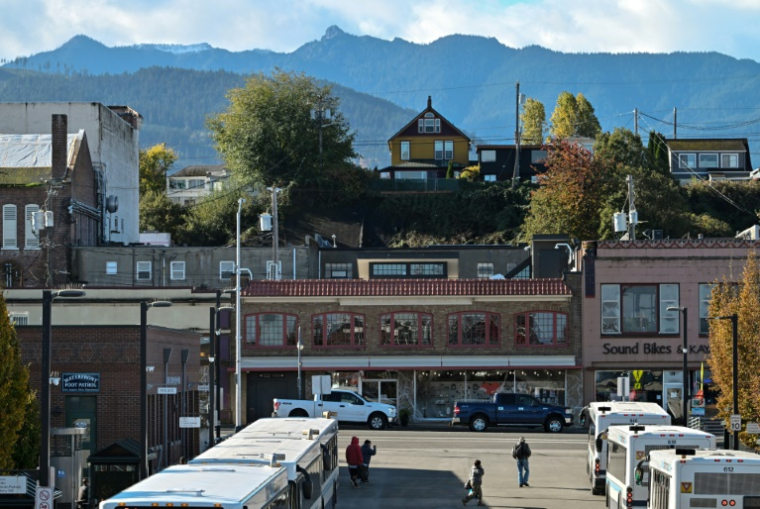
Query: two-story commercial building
(628, 330)
(420, 344)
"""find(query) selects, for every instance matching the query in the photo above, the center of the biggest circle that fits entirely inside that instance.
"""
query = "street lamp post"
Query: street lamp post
(735, 365)
(686, 377)
(144, 305)
(47, 333)
(213, 369)
(238, 341)
(299, 348)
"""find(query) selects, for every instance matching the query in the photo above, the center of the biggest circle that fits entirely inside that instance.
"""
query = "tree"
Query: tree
(564, 116)
(155, 162)
(574, 116)
(450, 170)
(268, 135)
(533, 120)
(14, 389)
(743, 300)
(586, 123)
(570, 193)
(470, 173)
(658, 158)
(159, 213)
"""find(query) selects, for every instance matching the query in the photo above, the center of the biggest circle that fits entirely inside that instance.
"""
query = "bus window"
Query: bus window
(616, 461)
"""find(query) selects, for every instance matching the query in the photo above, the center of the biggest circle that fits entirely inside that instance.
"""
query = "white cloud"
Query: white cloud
(32, 26)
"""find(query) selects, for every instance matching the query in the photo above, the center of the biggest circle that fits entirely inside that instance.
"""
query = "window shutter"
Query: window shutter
(9, 227)
(31, 240)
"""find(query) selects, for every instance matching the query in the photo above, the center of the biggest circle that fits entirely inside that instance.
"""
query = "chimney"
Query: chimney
(430, 102)
(59, 157)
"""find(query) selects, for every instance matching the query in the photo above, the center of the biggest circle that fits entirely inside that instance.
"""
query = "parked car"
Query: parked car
(347, 405)
(506, 409)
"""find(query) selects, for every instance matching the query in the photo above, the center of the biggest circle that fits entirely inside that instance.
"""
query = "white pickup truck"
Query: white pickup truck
(347, 405)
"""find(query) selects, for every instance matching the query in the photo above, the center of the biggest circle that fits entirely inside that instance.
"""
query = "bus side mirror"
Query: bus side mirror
(641, 469)
(599, 443)
(307, 487)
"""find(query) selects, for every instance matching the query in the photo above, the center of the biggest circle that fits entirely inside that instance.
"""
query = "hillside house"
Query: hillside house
(422, 149)
(497, 162)
(188, 185)
(709, 159)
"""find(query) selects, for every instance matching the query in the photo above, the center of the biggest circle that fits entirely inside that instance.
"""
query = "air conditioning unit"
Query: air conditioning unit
(657, 235)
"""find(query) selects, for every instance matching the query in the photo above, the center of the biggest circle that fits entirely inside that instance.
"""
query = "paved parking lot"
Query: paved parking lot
(427, 469)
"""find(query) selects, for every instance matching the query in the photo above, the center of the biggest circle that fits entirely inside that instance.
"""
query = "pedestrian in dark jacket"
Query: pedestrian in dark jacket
(355, 459)
(521, 452)
(368, 450)
(476, 484)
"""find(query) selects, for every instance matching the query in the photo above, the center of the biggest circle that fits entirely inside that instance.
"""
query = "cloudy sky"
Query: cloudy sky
(726, 26)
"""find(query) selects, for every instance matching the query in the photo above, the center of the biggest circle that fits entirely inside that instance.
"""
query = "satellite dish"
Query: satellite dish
(112, 204)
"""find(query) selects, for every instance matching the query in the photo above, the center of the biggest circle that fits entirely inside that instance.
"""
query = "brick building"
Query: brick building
(108, 405)
(420, 344)
(628, 330)
(48, 203)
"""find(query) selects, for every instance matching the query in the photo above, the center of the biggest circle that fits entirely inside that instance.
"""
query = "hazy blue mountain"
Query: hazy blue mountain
(176, 102)
(472, 80)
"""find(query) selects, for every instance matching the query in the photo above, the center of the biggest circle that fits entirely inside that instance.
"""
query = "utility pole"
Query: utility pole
(320, 113)
(516, 174)
(636, 121)
(276, 233)
(633, 216)
(675, 123)
(47, 218)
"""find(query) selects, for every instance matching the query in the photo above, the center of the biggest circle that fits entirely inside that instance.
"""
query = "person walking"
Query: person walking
(476, 484)
(84, 494)
(521, 452)
(355, 459)
(368, 450)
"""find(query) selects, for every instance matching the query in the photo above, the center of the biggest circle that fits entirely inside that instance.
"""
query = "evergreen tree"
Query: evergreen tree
(658, 158)
(744, 300)
(533, 120)
(450, 170)
(14, 389)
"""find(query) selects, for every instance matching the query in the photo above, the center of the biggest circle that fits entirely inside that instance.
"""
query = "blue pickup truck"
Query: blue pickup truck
(506, 409)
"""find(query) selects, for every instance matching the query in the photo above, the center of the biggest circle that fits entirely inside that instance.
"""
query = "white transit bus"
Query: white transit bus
(201, 486)
(602, 415)
(306, 448)
(686, 478)
(627, 449)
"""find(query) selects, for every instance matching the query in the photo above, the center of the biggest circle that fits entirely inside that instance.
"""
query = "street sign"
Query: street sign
(12, 484)
(43, 498)
(173, 380)
(736, 422)
(189, 422)
(753, 428)
(167, 390)
(203, 388)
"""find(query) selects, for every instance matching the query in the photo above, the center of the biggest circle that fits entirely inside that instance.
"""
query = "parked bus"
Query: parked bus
(627, 449)
(309, 446)
(686, 478)
(201, 486)
(602, 415)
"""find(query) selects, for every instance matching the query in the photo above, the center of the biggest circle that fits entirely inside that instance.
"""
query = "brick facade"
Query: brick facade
(113, 352)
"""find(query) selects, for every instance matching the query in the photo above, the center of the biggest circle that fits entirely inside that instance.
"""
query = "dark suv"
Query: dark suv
(507, 409)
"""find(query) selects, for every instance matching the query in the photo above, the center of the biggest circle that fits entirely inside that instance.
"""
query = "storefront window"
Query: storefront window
(437, 391)
(546, 385)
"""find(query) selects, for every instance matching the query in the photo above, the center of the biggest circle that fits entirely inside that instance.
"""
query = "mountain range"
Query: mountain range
(383, 84)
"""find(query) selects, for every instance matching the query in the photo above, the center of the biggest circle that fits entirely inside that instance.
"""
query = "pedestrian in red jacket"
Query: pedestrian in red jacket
(354, 458)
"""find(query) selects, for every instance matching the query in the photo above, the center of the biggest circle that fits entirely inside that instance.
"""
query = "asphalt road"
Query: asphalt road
(427, 469)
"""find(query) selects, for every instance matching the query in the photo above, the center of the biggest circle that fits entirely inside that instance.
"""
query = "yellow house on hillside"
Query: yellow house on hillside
(423, 148)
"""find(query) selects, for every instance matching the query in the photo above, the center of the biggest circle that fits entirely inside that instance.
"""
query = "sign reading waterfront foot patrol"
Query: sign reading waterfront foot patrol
(80, 382)
(753, 428)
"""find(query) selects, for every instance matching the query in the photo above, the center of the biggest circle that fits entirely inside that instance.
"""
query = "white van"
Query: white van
(627, 450)
(602, 415)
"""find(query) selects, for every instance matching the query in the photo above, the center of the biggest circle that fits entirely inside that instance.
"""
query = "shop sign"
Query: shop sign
(12, 484)
(80, 382)
(651, 348)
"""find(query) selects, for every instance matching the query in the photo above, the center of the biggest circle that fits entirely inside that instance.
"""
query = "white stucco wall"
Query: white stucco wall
(114, 149)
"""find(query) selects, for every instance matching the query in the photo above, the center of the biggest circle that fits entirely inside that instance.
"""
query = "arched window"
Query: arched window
(473, 328)
(337, 329)
(406, 329)
(541, 328)
(271, 330)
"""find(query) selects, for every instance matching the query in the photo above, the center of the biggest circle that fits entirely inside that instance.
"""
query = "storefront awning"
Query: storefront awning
(385, 362)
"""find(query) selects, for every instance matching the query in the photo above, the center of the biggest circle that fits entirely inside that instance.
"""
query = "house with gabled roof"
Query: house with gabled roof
(422, 149)
(709, 159)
